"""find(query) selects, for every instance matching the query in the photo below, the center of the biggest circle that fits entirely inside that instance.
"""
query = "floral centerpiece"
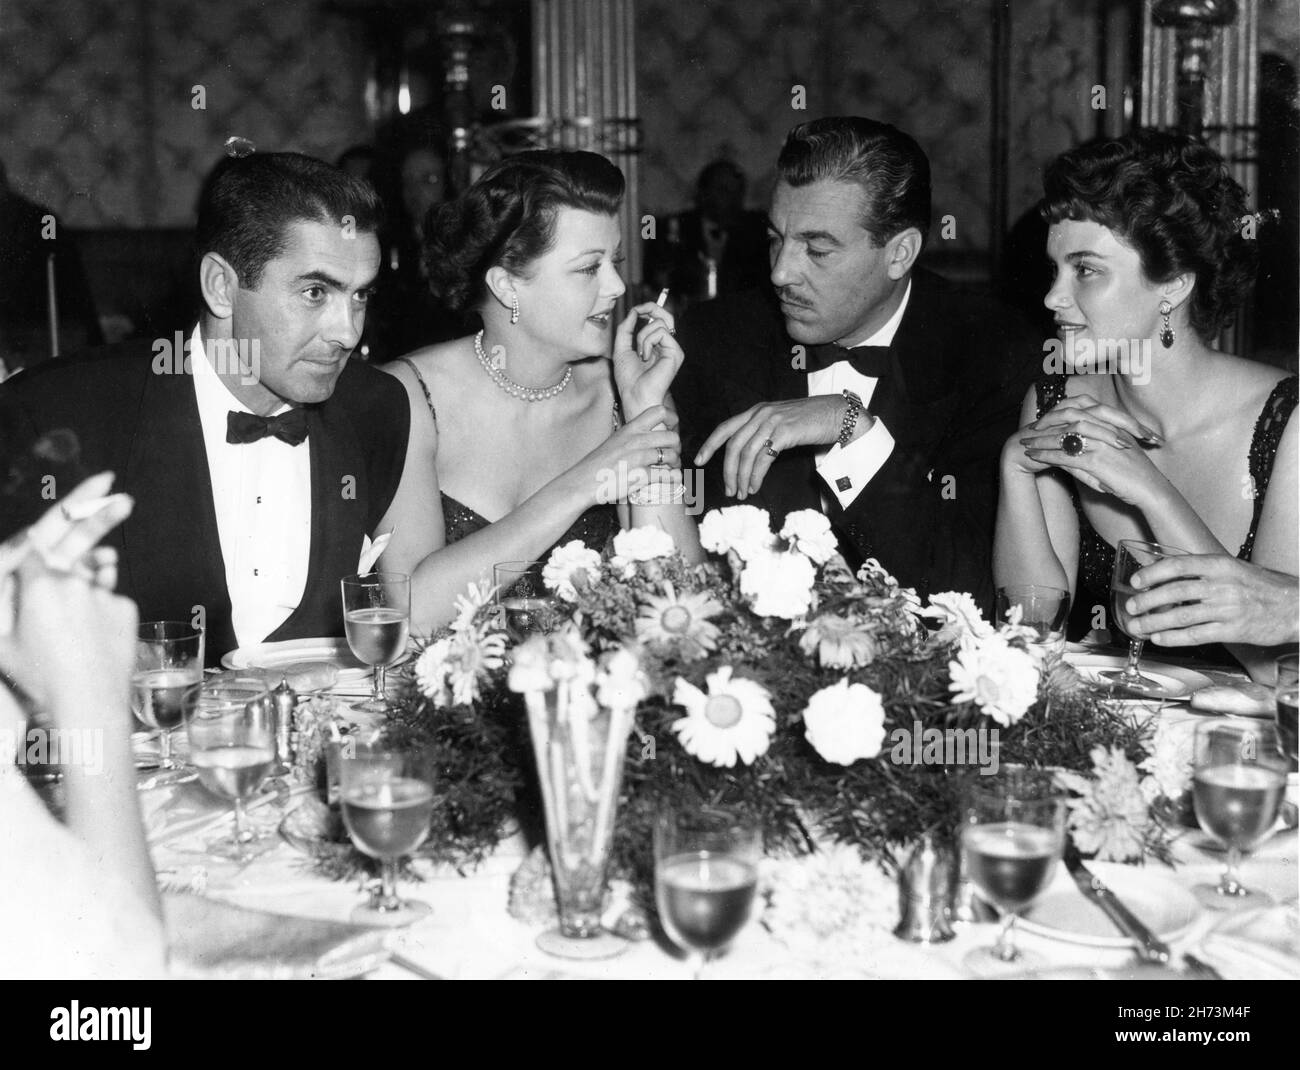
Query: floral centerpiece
(833, 705)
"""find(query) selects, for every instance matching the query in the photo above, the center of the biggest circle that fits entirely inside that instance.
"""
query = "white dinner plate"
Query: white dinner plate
(1062, 913)
(291, 651)
(1175, 681)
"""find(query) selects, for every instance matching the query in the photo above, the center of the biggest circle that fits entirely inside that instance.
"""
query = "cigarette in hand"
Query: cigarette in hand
(77, 511)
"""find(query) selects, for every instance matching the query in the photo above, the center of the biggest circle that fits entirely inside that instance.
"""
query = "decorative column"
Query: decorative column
(584, 93)
(1200, 71)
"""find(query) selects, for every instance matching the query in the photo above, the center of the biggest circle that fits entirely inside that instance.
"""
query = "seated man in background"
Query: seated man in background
(259, 457)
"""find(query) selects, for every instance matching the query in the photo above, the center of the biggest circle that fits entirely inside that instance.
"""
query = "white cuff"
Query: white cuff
(847, 469)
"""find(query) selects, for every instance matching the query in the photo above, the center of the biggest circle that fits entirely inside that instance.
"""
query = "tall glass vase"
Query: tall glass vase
(580, 747)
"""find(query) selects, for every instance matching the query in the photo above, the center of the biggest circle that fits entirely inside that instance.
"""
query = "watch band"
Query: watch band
(850, 418)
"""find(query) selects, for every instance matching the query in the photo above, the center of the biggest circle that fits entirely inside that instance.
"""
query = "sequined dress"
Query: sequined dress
(594, 528)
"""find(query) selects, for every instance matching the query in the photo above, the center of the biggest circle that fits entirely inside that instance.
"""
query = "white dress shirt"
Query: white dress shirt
(847, 469)
(262, 495)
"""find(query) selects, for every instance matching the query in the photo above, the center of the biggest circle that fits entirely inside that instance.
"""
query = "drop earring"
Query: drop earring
(514, 310)
(1166, 332)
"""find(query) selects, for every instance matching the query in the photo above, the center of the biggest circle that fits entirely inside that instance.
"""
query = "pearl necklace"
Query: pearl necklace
(525, 393)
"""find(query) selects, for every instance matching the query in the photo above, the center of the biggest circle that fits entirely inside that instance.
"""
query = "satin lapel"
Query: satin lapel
(171, 558)
(916, 399)
(338, 525)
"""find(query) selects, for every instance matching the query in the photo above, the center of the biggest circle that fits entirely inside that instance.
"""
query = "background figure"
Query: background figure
(715, 248)
(405, 315)
(29, 234)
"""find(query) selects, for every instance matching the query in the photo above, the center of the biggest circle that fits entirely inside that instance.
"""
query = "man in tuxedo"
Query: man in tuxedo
(860, 383)
(260, 458)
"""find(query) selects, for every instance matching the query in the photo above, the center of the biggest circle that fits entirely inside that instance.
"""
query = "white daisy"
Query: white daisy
(839, 643)
(680, 621)
(1000, 679)
(734, 720)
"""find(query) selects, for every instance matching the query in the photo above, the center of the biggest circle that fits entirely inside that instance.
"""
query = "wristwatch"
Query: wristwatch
(850, 418)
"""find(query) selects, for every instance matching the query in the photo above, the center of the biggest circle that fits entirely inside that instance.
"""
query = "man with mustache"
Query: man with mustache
(260, 458)
(862, 384)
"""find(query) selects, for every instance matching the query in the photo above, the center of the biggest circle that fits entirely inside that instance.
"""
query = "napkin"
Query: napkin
(371, 551)
(1243, 698)
(1256, 944)
(213, 940)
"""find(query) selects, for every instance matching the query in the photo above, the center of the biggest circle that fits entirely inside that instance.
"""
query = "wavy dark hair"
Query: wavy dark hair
(507, 218)
(886, 163)
(1171, 198)
(248, 203)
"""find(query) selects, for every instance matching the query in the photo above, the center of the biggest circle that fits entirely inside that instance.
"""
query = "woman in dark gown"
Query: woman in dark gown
(1181, 444)
(528, 435)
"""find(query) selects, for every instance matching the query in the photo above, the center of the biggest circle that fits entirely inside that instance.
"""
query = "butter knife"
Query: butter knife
(1150, 948)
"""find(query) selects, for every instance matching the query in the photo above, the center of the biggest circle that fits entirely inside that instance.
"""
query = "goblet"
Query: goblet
(1130, 556)
(1288, 697)
(387, 799)
(1012, 834)
(167, 678)
(706, 870)
(377, 622)
(528, 607)
(1238, 780)
(232, 745)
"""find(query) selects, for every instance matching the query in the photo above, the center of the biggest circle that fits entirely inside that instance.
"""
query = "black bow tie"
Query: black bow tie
(290, 427)
(871, 361)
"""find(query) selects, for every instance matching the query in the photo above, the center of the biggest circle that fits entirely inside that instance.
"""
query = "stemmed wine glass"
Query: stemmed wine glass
(167, 679)
(377, 621)
(706, 871)
(1130, 556)
(1238, 780)
(232, 745)
(387, 800)
(1012, 834)
(522, 595)
(1288, 699)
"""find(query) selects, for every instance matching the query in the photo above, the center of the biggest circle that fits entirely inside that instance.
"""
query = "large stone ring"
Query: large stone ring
(1073, 444)
(767, 445)
(660, 463)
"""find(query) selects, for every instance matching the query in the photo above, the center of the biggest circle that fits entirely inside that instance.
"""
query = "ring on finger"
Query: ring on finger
(660, 462)
(767, 445)
(1072, 443)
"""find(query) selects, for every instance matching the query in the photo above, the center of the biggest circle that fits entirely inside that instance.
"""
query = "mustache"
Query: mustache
(786, 297)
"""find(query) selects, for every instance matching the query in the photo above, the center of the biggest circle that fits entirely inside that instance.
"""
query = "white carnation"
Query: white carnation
(845, 722)
(565, 563)
(809, 532)
(778, 584)
(746, 529)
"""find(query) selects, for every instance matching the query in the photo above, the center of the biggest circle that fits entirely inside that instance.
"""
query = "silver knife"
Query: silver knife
(1150, 948)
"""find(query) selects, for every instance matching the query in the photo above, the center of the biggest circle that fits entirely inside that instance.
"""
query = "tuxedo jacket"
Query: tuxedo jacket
(960, 366)
(143, 424)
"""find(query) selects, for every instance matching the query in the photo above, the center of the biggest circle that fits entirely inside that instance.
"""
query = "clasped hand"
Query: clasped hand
(1114, 460)
(755, 437)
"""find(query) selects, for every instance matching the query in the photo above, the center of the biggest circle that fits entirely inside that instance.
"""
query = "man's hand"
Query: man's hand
(756, 436)
(1214, 598)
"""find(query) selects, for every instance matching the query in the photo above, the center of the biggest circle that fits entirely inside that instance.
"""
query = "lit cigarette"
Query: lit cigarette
(74, 511)
(663, 297)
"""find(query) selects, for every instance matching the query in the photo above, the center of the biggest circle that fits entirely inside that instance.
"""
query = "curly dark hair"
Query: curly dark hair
(1172, 199)
(507, 218)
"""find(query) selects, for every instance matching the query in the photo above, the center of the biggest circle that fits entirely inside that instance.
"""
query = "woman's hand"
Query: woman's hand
(645, 367)
(1113, 460)
(1213, 598)
(625, 459)
(62, 631)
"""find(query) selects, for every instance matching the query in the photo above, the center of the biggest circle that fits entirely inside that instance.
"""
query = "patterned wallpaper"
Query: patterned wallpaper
(96, 97)
(715, 78)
